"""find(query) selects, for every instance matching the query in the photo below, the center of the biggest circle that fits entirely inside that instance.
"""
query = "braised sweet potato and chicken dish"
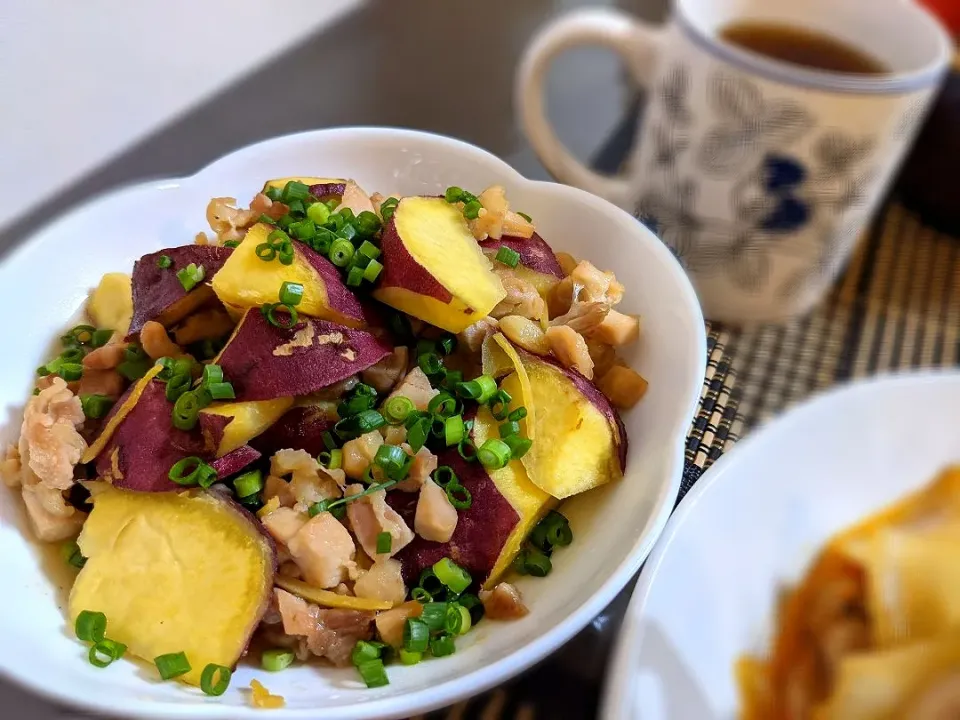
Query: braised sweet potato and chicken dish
(872, 631)
(332, 426)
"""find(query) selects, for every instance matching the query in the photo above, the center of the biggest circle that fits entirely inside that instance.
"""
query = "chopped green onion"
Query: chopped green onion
(331, 459)
(390, 458)
(286, 254)
(356, 425)
(215, 679)
(426, 346)
(418, 432)
(367, 248)
(101, 337)
(164, 262)
(177, 386)
(459, 496)
(410, 658)
(212, 373)
(430, 582)
(560, 535)
(274, 193)
(304, 230)
(444, 475)
(340, 252)
(264, 218)
(80, 334)
(416, 635)
(453, 430)
(373, 672)
(297, 208)
(208, 477)
(270, 312)
(420, 595)
(73, 354)
(500, 404)
(266, 252)
(90, 626)
(372, 271)
(452, 379)
(347, 215)
(318, 213)
(507, 256)
(519, 414)
(388, 207)
(187, 471)
(472, 604)
(430, 363)
(494, 453)
(186, 410)
(511, 427)
(438, 426)
(72, 555)
(433, 615)
(42, 371)
(95, 406)
(248, 484)
(384, 543)
(443, 404)
(232, 244)
(191, 276)
(70, 371)
(277, 659)
(525, 216)
(471, 211)
(397, 409)
(104, 652)
(452, 575)
(294, 190)
(291, 293)
(469, 390)
(221, 391)
(518, 445)
(172, 665)
(328, 440)
(365, 651)
(442, 646)
(453, 623)
(536, 563)
(453, 194)
(448, 344)
(467, 450)
(355, 277)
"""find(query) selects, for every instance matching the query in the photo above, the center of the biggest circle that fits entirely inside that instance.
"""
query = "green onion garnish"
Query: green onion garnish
(101, 338)
(448, 344)
(72, 555)
(420, 595)
(391, 458)
(211, 374)
(384, 543)
(215, 679)
(164, 262)
(453, 430)
(444, 475)
(430, 363)
(278, 658)
(471, 211)
(285, 320)
(372, 271)
(105, 652)
(248, 484)
(500, 404)
(294, 190)
(266, 252)
(467, 450)
(511, 427)
(430, 582)
(273, 193)
(331, 459)
(340, 252)
(459, 496)
(397, 409)
(453, 194)
(318, 213)
(367, 248)
(172, 665)
(494, 453)
(453, 623)
(525, 216)
(359, 424)
(416, 635)
(442, 645)
(433, 615)
(186, 410)
(519, 414)
(535, 562)
(191, 276)
(189, 471)
(443, 405)
(291, 293)
(177, 386)
(410, 658)
(507, 256)
(221, 391)
(328, 440)
(233, 244)
(73, 354)
(355, 277)
(518, 445)
(365, 651)
(373, 672)
(96, 406)
(90, 626)
(418, 432)
(71, 371)
(452, 575)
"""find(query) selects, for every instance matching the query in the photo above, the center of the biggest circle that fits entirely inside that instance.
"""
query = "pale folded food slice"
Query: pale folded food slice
(885, 685)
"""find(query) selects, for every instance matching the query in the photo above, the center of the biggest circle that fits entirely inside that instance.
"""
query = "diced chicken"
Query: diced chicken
(324, 551)
(617, 329)
(263, 205)
(275, 487)
(525, 333)
(331, 634)
(436, 518)
(228, 221)
(489, 222)
(387, 373)
(156, 343)
(48, 526)
(593, 285)
(101, 382)
(503, 602)
(583, 317)
(623, 386)
(394, 434)
(370, 516)
(522, 298)
(283, 523)
(570, 349)
(604, 357)
(383, 581)
(423, 465)
(106, 357)
(359, 453)
(416, 387)
(310, 489)
(473, 336)
(390, 622)
(355, 198)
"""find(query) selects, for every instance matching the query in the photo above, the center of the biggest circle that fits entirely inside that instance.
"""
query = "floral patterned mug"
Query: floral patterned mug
(760, 175)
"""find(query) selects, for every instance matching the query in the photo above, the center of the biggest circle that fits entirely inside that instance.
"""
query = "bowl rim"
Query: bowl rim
(616, 700)
(501, 669)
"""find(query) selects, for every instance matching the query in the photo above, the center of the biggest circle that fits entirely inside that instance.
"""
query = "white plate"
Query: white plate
(46, 281)
(754, 521)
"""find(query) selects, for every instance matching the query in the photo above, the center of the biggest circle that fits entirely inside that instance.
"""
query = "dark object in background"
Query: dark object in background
(929, 182)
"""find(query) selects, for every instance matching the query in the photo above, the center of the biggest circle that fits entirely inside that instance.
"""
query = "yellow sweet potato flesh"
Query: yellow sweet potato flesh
(433, 238)
(111, 303)
(574, 449)
(328, 598)
(249, 420)
(500, 358)
(530, 502)
(174, 572)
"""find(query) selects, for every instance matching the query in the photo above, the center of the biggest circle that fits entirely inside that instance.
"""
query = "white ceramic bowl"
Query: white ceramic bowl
(46, 281)
(754, 522)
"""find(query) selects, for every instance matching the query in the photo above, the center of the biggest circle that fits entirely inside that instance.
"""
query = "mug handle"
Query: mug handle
(637, 43)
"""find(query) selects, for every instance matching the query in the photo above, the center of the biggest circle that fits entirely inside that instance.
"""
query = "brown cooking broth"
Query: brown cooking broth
(802, 46)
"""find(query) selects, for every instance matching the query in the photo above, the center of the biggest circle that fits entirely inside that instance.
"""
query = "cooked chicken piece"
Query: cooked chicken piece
(48, 526)
(383, 581)
(423, 465)
(331, 634)
(324, 551)
(522, 299)
(570, 349)
(416, 387)
(525, 333)
(359, 453)
(489, 222)
(436, 518)
(503, 602)
(617, 329)
(334, 392)
(355, 198)
(387, 373)
(394, 434)
(390, 622)
(583, 317)
(262, 205)
(593, 285)
(308, 483)
(623, 386)
(106, 357)
(604, 357)
(283, 523)
(227, 221)
(156, 343)
(473, 336)
(50, 445)
(204, 325)
(370, 515)
(101, 382)
(276, 487)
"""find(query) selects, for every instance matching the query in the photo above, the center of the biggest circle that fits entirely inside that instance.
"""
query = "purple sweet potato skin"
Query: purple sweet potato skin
(534, 253)
(155, 289)
(235, 461)
(482, 529)
(147, 445)
(339, 296)
(258, 366)
(300, 428)
(327, 191)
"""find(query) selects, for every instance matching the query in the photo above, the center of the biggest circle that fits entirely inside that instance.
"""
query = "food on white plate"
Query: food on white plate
(872, 631)
(344, 421)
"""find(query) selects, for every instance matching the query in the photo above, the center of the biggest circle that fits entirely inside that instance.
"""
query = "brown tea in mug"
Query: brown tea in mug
(802, 46)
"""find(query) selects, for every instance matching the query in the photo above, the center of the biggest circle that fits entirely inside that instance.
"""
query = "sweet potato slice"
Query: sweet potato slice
(433, 268)
(538, 265)
(118, 413)
(501, 359)
(111, 302)
(175, 572)
(580, 440)
(300, 428)
(234, 424)
(246, 281)
(328, 598)
(158, 293)
(264, 362)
